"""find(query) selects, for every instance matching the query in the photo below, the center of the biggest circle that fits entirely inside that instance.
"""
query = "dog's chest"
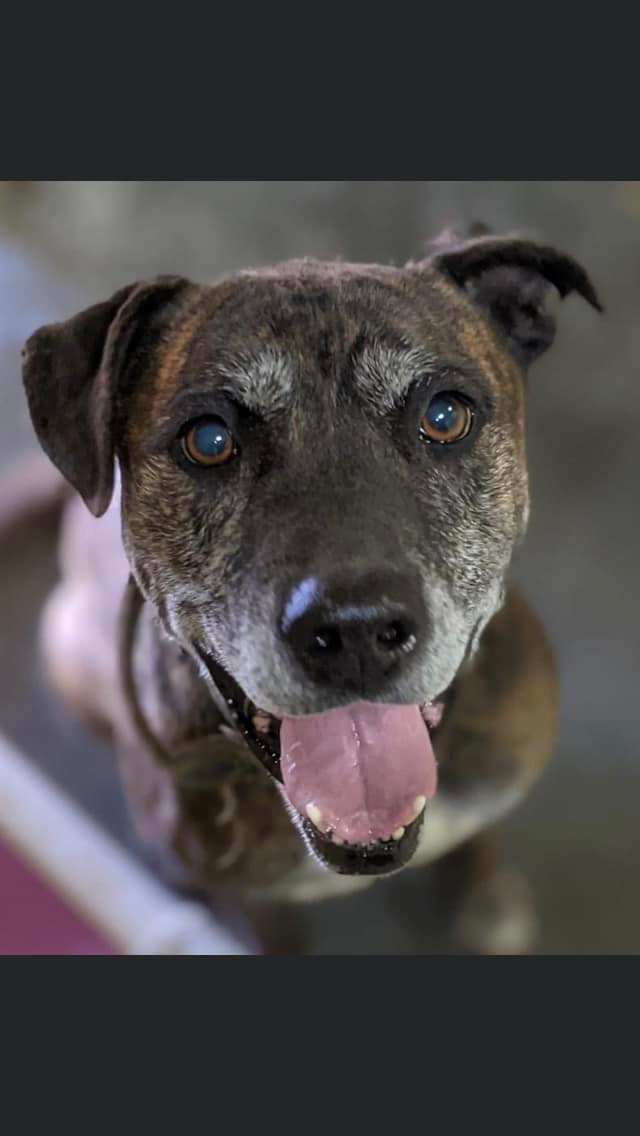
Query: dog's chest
(449, 821)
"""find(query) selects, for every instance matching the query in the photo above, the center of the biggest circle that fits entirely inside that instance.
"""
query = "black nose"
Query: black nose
(355, 632)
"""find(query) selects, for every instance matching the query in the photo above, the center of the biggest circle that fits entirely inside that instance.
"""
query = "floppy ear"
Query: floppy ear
(512, 282)
(71, 373)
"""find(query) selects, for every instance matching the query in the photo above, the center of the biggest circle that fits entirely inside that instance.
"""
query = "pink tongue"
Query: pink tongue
(361, 766)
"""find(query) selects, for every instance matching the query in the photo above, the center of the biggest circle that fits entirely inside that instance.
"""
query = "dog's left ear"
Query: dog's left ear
(72, 375)
(511, 281)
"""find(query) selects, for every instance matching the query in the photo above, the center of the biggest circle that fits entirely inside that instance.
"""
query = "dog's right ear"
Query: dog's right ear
(510, 281)
(71, 373)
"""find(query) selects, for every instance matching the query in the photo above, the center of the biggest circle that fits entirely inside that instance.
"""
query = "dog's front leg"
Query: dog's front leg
(486, 904)
(280, 928)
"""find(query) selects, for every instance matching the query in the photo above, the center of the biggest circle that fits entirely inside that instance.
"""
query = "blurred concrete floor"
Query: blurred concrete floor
(64, 245)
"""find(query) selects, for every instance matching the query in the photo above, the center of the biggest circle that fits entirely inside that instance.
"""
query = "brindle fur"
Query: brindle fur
(315, 366)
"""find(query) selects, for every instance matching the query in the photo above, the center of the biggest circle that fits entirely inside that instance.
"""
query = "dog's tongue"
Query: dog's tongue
(357, 771)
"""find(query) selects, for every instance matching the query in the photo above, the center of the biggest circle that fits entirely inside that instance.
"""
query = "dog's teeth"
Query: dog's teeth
(315, 816)
(261, 722)
(337, 840)
(418, 806)
(398, 834)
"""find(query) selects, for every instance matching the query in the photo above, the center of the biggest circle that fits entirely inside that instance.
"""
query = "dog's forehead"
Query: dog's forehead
(306, 329)
(278, 328)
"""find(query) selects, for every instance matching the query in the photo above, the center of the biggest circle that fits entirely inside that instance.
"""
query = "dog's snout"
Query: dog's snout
(354, 632)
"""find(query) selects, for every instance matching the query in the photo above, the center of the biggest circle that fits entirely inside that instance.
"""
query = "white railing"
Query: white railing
(97, 877)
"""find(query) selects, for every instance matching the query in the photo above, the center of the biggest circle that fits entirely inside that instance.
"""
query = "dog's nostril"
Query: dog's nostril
(394, 635)
(327, 639)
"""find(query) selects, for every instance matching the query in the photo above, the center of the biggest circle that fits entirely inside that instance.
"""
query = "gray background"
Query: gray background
(64, 245)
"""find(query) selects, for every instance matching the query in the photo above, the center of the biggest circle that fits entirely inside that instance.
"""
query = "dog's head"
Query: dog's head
(324, 478)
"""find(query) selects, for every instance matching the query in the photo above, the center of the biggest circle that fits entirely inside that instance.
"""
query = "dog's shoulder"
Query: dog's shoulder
(501, 724)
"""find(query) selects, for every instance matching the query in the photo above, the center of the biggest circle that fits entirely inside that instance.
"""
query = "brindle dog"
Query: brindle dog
(321, 482)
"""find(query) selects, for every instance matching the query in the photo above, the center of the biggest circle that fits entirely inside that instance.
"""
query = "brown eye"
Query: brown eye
(208, 442)
(448, 419)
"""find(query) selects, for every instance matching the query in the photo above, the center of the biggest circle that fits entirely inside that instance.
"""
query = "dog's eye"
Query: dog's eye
(448, 419)
(208, 442)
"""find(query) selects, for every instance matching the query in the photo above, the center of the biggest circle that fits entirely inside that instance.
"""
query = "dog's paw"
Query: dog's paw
(497, 916)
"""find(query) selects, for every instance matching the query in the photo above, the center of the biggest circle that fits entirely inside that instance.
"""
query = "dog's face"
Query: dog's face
(324, 478)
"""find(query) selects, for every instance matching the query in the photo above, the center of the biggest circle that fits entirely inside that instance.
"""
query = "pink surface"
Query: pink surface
(34, 920)
(360, 767)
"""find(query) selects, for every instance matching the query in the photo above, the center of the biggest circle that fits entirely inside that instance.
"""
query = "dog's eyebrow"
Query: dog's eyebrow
(263, 382)
(384, 373)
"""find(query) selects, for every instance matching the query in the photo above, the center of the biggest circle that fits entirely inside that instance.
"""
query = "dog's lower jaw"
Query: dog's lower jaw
(384, 858)
(449, 820)
(380, 856)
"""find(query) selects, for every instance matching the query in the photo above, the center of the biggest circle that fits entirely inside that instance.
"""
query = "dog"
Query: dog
(310, 479)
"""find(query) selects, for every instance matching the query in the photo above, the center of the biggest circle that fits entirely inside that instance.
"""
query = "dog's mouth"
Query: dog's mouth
(357, 778)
